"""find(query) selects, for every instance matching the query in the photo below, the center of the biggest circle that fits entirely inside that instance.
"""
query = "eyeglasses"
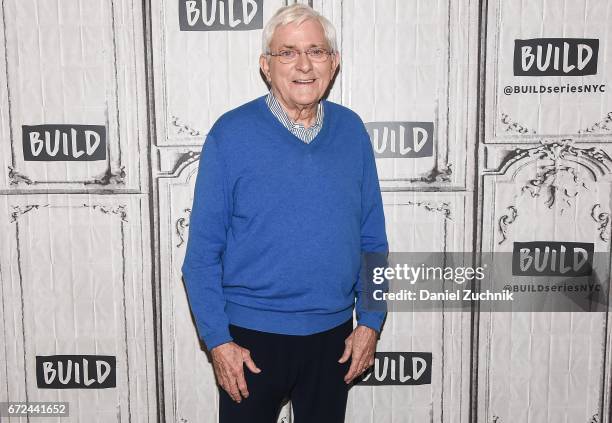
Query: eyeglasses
(315, 54)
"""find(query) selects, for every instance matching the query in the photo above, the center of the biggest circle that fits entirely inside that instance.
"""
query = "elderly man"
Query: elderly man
(286, 201)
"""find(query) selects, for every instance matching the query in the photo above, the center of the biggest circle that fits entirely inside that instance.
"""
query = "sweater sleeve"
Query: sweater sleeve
(202, 267)
(374, 246)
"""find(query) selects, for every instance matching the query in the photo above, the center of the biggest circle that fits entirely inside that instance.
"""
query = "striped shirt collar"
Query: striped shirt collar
(297, 129)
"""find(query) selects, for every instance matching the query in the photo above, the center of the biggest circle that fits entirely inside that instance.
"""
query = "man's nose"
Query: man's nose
(303, 62)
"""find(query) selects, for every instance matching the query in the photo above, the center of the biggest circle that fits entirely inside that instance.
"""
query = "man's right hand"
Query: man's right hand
(228, 361)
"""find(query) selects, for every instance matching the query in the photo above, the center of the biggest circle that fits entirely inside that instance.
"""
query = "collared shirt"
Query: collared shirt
(297, 129)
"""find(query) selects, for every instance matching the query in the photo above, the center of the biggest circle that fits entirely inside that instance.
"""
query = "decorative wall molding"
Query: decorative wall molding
(15, 177)
(550, 178)
(109, 177)
(183, 128)
(181, 225)
(119, 210)
(602, 127)
(21, 210)
(593, 158)
(603, 219)
(438, 174)
(115, 66)
(184, 161)
(512, 126)
(505, 221)
(547, 179)
(443, 207)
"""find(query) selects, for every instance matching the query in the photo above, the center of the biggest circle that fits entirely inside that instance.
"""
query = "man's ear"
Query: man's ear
(335, 63)
(265, 67)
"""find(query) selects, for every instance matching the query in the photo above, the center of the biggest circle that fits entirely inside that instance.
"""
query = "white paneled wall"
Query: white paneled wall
(545, 366)
(421, 222)
(415, 61)
(91, 250)
(79, 63)
(545, 167)
(93, 299)
(525, 118)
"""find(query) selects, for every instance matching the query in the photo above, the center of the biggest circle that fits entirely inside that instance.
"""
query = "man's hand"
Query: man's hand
(228, 360)
(360, 346)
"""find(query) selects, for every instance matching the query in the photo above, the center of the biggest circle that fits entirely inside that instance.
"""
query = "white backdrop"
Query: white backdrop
(94, 225)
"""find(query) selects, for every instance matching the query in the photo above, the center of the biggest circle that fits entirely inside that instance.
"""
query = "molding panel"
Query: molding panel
(546, 366)
(423, 222)
(525, 117)
(72, 63)
(414, 61)
(199, 75)
(75, 282)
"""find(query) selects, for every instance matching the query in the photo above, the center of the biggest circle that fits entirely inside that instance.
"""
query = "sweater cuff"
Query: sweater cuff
(217, 338)
(373, 320)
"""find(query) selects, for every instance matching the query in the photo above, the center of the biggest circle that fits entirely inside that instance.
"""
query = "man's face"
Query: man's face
(302, 82)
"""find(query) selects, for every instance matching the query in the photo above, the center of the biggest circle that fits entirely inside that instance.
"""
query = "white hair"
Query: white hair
(297, 13)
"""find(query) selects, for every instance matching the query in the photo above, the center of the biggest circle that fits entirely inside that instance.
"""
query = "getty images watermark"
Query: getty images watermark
(538, 276)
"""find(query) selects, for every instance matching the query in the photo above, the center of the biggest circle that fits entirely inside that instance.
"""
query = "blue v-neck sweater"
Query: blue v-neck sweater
(278, 226)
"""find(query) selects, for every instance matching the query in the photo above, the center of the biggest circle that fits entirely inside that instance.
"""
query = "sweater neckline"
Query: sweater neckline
(279, 125)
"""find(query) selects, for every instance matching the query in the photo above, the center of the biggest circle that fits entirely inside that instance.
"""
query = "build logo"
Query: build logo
(552, 258)
(398, 368)
(401, 139)
(220, 15)
(76, 371)
(63, 142)
(556, 57)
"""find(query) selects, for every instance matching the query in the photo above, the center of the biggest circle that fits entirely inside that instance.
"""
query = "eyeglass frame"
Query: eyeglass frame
(328, 53)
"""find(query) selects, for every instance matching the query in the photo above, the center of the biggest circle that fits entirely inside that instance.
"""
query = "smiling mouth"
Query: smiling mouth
(303, 81)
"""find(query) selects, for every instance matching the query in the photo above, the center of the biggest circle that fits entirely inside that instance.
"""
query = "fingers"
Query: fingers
(229, 382)
(228, 363)
(248, 361)
(240, 380)
(233, 391)
(348, 347)
(357, 365)
(362, 348)
(242, 386)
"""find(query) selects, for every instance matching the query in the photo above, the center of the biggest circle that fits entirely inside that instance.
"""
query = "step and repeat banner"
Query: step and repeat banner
(491, 124)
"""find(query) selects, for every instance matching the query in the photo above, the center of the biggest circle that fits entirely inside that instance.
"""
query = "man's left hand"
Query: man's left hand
(360, 346)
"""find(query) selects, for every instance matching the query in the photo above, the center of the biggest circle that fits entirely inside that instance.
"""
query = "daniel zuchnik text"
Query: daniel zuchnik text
(457, 295)
(411, 274)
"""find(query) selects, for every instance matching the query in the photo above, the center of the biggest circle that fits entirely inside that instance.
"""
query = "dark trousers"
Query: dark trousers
(304, 369)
